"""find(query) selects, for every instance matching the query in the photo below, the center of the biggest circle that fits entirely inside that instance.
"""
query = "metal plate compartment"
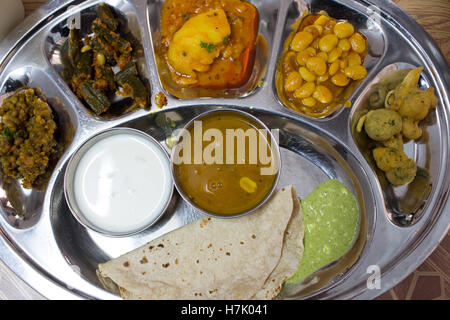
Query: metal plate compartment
(54, 254)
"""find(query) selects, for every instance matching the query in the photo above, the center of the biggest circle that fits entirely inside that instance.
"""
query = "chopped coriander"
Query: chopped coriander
(9, 134)
(225, 40)
(208, 46)
(392, 122)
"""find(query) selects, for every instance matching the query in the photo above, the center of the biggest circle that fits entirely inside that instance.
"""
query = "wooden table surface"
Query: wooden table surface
(432, 279)
(433, 15)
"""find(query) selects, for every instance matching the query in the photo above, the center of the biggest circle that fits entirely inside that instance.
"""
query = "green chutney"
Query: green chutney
(332, 221)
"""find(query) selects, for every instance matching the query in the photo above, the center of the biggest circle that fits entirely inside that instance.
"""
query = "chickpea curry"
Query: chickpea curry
(209, 44)
(322, 62)
(395, 118)
(27, 139)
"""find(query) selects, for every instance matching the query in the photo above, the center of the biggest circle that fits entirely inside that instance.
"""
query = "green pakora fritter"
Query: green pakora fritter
(405, 105)
(383, 124)
(403, 174)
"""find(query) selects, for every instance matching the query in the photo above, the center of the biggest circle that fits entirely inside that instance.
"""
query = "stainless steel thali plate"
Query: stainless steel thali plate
(46, 247)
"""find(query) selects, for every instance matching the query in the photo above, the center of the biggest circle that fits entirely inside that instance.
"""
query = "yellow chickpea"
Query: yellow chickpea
(301, 41)
(323, 55)
(317, 65)
(323, 94)
(328, 42)
(315, 30)
(293, 81)
(334, 67)
(307, 75)
(322, 20)
(315, 44)
(358, 43)
(305, 90)
(354, 59)
(312, 50)
(343, 29)
(340, 79)
(100, 58)
(343, 64)
(335, 54)
(344, 44)
(309, 102)
(319, 28)
(289, 57)
(303, 56)
(356, 72)
(329, 26)
(323, 78)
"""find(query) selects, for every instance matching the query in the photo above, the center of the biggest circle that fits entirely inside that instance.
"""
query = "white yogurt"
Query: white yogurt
(122, 183)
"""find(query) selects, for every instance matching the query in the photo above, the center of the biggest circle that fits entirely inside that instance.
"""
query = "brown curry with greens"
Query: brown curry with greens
(27, 137)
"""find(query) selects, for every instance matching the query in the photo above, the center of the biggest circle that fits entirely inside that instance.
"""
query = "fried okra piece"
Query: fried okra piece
(107, 17)
(96, 99)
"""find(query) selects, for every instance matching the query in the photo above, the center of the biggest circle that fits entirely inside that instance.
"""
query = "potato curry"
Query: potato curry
(209, 44)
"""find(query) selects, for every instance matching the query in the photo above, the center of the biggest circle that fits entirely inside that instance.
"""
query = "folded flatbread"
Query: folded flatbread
(243, 258)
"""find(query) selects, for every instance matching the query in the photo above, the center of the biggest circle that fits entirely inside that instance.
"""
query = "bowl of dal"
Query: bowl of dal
(225, 163)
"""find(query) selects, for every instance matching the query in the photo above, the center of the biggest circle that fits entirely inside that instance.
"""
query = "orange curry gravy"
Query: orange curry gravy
(233, 67)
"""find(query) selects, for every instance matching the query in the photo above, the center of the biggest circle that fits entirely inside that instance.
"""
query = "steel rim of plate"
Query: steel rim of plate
(277, 155)
(25, 268)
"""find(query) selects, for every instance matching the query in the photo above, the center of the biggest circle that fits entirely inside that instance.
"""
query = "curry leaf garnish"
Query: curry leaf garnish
(208, 46)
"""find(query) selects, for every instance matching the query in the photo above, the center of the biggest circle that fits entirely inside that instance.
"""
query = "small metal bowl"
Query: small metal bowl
(69, 182)
(275, 148)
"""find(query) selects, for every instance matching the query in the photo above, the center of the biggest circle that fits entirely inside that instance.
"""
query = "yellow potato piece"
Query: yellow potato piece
(248, 184)
(197, 43)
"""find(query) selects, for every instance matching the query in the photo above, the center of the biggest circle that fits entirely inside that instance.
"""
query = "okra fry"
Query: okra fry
(107, 17)
(133, 87)
(74, 47)
(96, 99)
(129, 70)
(104, 74)
(84, 65)
(68, 70)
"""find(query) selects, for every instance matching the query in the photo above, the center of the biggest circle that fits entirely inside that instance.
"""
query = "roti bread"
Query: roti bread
(242, 258)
